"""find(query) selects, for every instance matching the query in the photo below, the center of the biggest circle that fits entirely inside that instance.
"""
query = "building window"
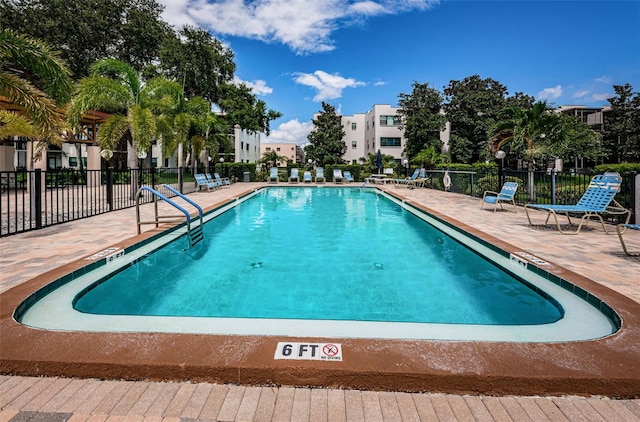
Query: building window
(247, 147)
(389, 121)
(73, 161)
(353, 126)
(268, 148)
(277, 148)
(390, 142)
(354, 144)
(241, 145)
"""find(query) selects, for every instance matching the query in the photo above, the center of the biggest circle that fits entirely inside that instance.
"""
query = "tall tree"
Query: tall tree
(623, 138)
(422, 119)
(198, 61)
(528, 134)
(84, 32)
(37, 80)
(472, 108)
(327, 138)
(241, 107)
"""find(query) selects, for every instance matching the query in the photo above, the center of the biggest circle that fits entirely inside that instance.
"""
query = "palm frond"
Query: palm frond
(112, 131)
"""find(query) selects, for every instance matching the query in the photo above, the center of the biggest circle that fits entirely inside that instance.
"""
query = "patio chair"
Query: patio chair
(405, 181)
(202, 182)
(594, 203)
(620, 229)
(348, 177)
(320, 175)
(222, 181)
(294, 176)
(306, 177)
(337, 176)
(273, 175)
(506, 194)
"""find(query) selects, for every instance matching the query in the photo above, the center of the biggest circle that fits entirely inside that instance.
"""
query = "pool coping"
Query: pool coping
(606, 366)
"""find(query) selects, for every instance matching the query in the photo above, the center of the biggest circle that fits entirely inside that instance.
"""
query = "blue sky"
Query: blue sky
(357, 53)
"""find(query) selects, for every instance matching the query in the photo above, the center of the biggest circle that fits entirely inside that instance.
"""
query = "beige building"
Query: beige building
(293, 152)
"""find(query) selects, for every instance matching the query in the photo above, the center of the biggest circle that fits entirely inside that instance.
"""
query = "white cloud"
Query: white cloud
(550, 93)
(327, 86)
(303, 25)
(259, 87)
(379, 83)
(601, 97)
(291, 131)
(604, 80)
(581, 94)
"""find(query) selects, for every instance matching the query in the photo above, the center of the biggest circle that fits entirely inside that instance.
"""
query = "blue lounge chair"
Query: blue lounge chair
(202, 182)
(620, 229)
(320, 175)
(337, 176)
(273, 175)
(348, 177)
(293, 177)
(306, 177)
(595, 202)
(506, 194)
(211, 180)
(222, 181)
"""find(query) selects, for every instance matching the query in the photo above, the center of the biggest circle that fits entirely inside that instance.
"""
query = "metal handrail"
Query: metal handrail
(193, 238)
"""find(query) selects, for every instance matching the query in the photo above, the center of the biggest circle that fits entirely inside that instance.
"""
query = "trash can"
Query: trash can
(246, 176)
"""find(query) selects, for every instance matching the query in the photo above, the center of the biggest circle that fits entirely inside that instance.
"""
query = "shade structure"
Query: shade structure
(379, 161)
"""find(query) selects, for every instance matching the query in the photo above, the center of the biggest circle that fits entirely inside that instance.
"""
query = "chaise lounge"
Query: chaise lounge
(594, 203)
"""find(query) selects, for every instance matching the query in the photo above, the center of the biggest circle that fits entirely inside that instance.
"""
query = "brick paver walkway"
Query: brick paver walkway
(27, 255)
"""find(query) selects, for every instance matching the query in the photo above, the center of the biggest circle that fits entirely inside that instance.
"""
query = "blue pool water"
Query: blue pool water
(320, 254)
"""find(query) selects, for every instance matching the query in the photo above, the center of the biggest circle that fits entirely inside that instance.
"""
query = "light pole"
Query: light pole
(500, 156)
(141, 155)
(406, 167)
(221, 161)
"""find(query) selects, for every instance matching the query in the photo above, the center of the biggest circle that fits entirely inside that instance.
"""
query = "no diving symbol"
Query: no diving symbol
(330, 349)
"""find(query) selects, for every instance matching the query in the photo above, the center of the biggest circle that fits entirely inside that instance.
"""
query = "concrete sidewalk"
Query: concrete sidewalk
(24, 256)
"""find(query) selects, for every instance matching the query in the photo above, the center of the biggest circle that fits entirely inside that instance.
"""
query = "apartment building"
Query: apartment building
(293, 152)
(378, 128)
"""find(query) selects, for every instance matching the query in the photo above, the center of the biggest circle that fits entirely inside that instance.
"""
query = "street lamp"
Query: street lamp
(141, 155)
(500, 156)
(221, 161)
(406, 167)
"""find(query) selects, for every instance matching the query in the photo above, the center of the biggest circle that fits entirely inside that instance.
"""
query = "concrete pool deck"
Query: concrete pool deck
(592, 254)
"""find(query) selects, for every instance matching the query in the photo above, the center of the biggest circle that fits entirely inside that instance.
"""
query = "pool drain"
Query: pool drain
(256, 264)
(379, 266)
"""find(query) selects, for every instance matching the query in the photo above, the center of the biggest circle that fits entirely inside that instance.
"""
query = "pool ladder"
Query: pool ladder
(194, 226)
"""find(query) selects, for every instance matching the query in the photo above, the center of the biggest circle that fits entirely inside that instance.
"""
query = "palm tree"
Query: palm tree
(528, 132)
(429, 158)
(114, 86)
(272, 158)
(370, 161)
(37, 81)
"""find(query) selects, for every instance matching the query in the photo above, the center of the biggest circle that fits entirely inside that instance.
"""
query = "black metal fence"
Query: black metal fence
(31, 200)
(540, 187)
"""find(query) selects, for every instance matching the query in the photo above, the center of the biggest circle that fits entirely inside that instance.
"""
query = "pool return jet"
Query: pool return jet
(194, 228)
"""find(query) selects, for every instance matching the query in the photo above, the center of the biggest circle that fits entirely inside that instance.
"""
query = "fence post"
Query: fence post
(37, 196)
(180, 181)
(110, 188)
(635, 197)
(473, 188)
(553, 186)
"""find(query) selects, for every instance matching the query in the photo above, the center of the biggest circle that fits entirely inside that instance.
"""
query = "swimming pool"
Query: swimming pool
(390, 247)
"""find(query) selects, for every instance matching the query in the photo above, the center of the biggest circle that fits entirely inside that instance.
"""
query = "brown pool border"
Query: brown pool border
(607, 366)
